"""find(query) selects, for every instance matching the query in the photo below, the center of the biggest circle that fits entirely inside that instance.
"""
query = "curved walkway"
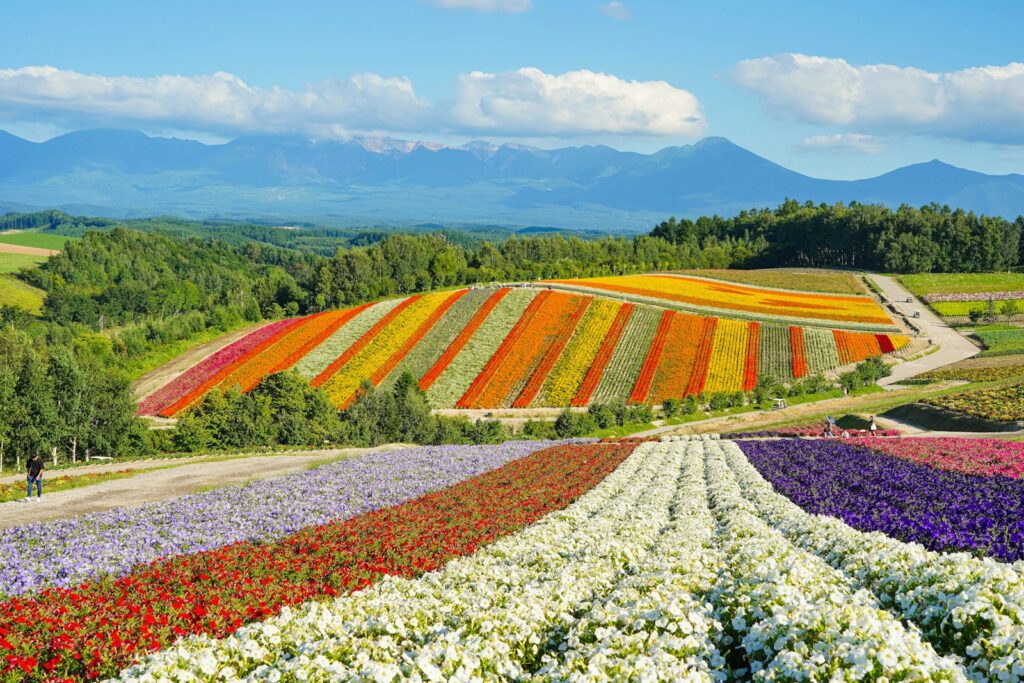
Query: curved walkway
(953, 347)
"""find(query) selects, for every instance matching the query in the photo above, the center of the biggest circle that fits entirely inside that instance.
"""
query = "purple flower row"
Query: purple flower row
(67, 552)
(974, 296)
(909, 501)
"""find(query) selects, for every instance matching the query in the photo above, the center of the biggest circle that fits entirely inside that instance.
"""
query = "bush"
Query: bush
(640, 414)
(570, 424)
(719, 401)
(603, 415)
(670, 407)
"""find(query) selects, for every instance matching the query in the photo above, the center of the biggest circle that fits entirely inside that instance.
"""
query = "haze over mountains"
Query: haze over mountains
(381, 180)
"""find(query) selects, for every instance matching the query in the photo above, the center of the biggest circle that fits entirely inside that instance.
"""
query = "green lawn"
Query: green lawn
(943, 283)
(14, 292)
(12, 263)
(1000, 340)
(41, 240)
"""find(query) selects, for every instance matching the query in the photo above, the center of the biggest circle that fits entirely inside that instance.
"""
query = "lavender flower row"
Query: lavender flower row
(974, 296)
(67, 552)
(908, 501)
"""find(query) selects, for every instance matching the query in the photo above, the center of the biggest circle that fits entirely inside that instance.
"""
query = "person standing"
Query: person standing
(873, 428)
(35, 475)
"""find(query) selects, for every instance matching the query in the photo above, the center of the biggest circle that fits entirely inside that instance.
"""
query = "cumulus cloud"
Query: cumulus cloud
(531, 102)
(616, 10)
(486, 6)
(527, 102)
(839, 143)
(218, 102)
(977, 103)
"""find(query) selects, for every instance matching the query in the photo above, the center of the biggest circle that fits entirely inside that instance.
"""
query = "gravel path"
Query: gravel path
(179, 480)
(953, 347)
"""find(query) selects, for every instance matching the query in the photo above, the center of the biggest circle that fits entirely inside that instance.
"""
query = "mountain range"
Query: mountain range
(385, 181)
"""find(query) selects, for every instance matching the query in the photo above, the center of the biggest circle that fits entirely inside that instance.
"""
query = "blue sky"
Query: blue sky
(836, 90)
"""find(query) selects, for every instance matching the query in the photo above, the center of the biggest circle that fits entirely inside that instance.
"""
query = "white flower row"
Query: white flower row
(796, 618)
(963, 605)
(690, 437)
(646, 577)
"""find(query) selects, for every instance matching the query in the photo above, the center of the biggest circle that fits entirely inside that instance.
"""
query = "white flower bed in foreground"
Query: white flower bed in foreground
(661, 572)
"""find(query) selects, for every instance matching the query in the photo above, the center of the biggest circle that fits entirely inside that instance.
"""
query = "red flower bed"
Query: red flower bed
(643, 382)
(750, 368)
(986, 457)
(604, 355)
(796, 343)
(460, 341)
(351, 351)
(700, 367)
(99, 628)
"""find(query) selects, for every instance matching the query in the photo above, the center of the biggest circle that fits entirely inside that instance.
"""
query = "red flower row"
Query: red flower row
(100, 628)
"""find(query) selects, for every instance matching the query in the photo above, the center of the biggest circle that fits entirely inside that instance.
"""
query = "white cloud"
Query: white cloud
(486, 6)
(215, 102)
(531, 102)
(978, 103)
(851, 143)
(527, 102)
(616, 10)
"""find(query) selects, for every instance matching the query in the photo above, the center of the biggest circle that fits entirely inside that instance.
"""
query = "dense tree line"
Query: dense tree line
(63, 398)
(867, 236)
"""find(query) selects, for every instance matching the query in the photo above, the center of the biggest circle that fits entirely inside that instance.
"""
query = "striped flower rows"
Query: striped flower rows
(522, 347)
(682, 564)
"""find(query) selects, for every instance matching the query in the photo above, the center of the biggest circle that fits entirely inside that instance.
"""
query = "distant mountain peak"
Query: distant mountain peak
(380, 179)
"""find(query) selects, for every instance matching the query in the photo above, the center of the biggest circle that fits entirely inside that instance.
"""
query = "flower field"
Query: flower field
(1000, 404)
(730, 298)
(976, 374)
(986, 457)
(676, 560)
(521, 347)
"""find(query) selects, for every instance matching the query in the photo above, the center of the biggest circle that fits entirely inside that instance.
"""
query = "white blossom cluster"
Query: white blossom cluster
(963, 605)
(680, 565)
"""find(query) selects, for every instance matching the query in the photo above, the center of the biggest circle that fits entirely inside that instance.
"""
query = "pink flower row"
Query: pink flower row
(974, 296)
(209, 366)
(986, 457)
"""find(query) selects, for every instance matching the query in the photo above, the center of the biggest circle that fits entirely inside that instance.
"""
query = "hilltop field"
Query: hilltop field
(637, 339)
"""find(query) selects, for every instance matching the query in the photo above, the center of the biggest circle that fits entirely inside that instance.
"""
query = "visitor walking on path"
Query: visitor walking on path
(873, 427)
(35, 475)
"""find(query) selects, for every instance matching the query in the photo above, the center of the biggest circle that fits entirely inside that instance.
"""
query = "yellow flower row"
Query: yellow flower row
(720, 295)
(728, 357)
(567, 375)
(343, 385)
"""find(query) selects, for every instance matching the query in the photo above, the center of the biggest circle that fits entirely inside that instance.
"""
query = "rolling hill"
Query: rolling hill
(125, 173)
(539, 346)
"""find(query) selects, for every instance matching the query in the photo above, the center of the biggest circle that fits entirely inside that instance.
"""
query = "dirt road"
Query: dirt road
(953, 347)
(151, 486)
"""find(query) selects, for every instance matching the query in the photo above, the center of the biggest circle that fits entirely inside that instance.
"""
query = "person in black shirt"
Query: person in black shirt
(35, 475)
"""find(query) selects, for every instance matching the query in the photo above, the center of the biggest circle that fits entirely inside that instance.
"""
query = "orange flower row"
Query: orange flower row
(384, 370)
(473, 396)
(677, 360)
(543, 369)
(700, 365)
(753, 353)
(799, 355)
(642, 387)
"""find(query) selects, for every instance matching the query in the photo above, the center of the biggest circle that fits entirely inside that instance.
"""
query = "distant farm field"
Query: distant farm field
(1000, 340)
(965, 283)
(799, 279)
(14, 292)
(35, 239)
(12, 263)
(526, 347)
